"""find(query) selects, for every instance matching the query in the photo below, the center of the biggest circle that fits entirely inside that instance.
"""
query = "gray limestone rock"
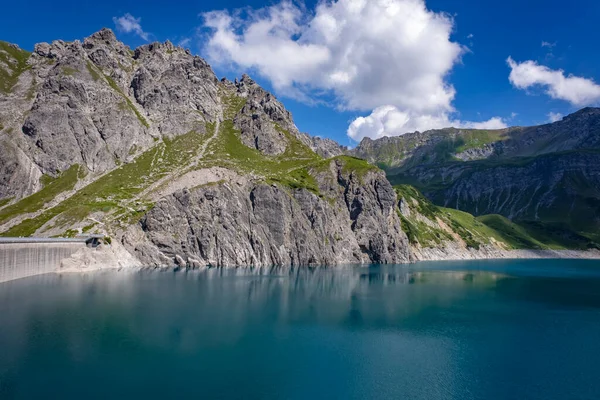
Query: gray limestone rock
(354, 220)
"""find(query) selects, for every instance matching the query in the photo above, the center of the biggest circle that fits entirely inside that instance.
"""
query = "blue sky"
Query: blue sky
(463, 79)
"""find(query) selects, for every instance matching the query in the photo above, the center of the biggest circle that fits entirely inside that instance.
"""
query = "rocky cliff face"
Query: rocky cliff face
(351, 220)
(97, 104)
(149, 147)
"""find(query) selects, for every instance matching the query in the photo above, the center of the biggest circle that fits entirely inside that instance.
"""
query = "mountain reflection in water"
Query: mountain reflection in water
(511, 329)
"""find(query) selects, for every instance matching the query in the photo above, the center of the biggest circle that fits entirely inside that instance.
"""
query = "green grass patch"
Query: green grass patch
(227, 150)
(233, 104)
(470, 229)
(477, 138)
(52, 188)
(350, 165)
(297, 179)
(513, 234)
(69, 71)
(416, 200)
(4, 202)
(474, 231)
(289, 168)
(557, 236)
(95, 74)
(112, 191)
(88, 228)
(421, 233)
(70, 233)
(17, 59)
(356, 165)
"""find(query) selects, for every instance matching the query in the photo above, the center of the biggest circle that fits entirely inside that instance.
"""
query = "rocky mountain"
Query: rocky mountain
(543, 177)
(177, 167)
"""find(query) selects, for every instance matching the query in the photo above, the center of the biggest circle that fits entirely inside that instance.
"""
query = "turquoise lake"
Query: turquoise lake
(521, 329)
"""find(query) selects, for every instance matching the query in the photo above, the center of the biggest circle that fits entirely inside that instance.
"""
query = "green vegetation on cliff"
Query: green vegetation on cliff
(52, 188)
(429, 225)
(117, 89)
(113, 192)
(288, 168)
(13, 61)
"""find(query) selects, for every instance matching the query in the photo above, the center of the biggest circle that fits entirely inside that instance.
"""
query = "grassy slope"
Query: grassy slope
(52, 187)
(401, 153)
(114, 191)
(228, 151)
(478, 230)
(462, 225)
(293, 168)
(17, 59)
(567, 224)
(476, 138)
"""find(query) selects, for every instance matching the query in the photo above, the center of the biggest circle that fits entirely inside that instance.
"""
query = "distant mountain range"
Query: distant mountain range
(178, 167)
(546, 178)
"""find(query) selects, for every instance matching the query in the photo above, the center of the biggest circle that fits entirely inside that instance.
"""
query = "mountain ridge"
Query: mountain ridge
(181, 168)
(540, 174)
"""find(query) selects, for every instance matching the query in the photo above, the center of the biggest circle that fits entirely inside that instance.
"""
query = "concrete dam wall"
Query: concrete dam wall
(23, 257)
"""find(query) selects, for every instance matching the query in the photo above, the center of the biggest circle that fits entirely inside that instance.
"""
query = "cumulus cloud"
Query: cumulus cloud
(363, 54)
(129, 24)
(576, 90)
(390, 121)
(554, 117)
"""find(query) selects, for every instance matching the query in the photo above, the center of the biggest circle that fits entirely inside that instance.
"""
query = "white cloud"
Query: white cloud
(470, 36)
(576, 90)
(128, 24)
(390, 121)
(548, 44)
(554, 117)
(365, 54)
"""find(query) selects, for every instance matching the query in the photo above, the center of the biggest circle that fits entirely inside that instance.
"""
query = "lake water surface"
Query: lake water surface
(448, 330)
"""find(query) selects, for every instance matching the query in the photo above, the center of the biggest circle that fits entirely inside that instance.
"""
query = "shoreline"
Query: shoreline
(117, 258)
(453, 251)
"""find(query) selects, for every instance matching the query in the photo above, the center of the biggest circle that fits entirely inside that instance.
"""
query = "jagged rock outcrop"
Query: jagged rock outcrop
(18, 175)
(98, 103)
(324, 147)
(175, 88)
(353, 220)
(255, 120)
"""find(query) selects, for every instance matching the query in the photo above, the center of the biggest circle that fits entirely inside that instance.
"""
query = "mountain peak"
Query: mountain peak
(104, 35)
(587, 111)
